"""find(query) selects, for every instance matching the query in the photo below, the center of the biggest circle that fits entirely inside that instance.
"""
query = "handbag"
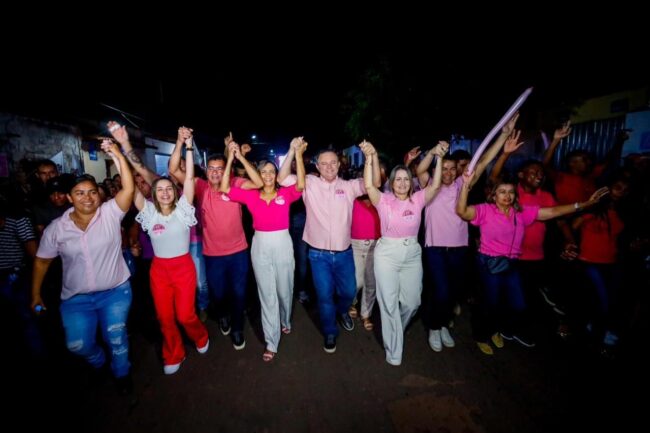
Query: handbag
(498, 264)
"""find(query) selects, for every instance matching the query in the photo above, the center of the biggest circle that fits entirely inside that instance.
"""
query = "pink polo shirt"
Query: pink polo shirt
(329, 210)
(267, 217)
(365, 221)
(92, 259)
(223, 233)
(500, 236)
(400, 218)
(532, 247)
(443, 226)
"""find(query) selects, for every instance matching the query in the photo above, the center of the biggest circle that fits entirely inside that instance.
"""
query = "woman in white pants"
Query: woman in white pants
(398, 263)
(272, 249)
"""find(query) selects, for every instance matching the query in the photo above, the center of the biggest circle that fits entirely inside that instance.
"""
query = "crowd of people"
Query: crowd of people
(404, 238)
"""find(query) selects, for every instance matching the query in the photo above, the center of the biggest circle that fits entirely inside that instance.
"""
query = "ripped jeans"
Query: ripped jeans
(109, 309)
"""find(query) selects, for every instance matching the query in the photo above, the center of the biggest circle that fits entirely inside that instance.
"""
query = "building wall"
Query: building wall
(32, 139)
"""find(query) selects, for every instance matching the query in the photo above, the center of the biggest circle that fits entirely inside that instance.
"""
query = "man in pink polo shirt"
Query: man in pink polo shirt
(329, 201)
(224, 242)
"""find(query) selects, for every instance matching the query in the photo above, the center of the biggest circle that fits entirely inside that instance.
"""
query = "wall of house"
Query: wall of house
(33, 139)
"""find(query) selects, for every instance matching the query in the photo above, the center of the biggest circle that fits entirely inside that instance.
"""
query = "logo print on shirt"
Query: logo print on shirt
(340, 194)
(224, 197)
(408, 215)
(279, 200)
(158, 229)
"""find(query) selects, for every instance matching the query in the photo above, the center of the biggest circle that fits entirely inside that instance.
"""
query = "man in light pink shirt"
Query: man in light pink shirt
(329, 201)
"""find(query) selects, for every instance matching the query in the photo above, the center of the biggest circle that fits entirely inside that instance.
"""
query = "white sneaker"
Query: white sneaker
(172, 368)
(203, 349)
(447, 340)
(435, 341)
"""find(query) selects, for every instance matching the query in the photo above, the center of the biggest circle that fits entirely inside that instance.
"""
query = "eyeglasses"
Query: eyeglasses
(210, 168)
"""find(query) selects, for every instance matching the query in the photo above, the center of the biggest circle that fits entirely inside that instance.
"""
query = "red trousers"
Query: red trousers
(173, 287)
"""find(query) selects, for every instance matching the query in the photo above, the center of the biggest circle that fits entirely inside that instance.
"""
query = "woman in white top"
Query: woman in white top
(173, 276)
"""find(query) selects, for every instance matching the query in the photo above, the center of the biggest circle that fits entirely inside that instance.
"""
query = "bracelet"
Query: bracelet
(189, 148)
(576, 206)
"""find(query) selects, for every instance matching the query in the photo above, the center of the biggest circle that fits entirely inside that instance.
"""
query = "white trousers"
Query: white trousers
(364, 265)
(273, 264)
(398, 271)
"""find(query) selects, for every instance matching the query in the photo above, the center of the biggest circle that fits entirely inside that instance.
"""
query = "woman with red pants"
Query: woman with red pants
(173, 276)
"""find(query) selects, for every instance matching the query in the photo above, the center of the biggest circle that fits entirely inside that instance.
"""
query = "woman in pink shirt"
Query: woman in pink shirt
(502, 221)
(398, 263)
(173, 275)
(272, 248)
(96, 289)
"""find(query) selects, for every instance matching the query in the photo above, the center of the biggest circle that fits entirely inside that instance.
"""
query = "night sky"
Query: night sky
(278, 89)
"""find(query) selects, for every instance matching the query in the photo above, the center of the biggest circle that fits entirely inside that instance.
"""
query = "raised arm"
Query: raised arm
(175, 158)
(188, 183)
(369, 152)
(285, 169)
(124, 197)
(430, 191)
(511, 145)
(120, 135)
(422, 170)
(493, 150)
(558, 135)
(254, 180)
(373, 192)
(225, 179)
(547, 213)
(462, 209)
(300, 165)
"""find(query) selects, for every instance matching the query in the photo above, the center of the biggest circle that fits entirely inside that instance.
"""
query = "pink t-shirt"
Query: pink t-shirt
(267, 217)
(223, 233)
(443, 227)
(400, 218)
(365, 221)
(329, 210)
(532, 247)
(500, 234)
(92, 259)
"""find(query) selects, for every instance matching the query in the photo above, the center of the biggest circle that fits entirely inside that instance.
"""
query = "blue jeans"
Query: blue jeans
(505, 285)
(109, 308)
(227, 277)
(333, 274)
(605, 285)
(202, 291)
(446, 268)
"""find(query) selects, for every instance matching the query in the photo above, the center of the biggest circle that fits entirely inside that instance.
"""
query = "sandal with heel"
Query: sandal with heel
(268, 356)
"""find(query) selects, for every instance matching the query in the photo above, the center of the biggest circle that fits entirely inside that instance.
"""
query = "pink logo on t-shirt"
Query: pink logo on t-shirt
(224, 197)
(158, 229)
(279, 200)
(408, 215)
(340, 194)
